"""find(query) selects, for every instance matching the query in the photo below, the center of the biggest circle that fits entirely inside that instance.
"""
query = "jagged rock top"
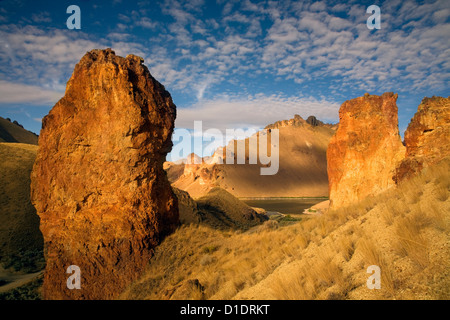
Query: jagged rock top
(433, 113)
(365, 150)
(426, 138)
(107, 55)
(98, 183)
(298, 121)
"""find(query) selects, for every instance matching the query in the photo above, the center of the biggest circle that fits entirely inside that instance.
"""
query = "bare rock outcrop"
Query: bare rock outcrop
(312, 120)
(426, 138)
(365, 150)
(98, 182)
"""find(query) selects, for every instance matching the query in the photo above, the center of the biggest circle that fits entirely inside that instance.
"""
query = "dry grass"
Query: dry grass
(410, 242)
(373, 256)
(405, 231)
(21, 242)
(346, 246)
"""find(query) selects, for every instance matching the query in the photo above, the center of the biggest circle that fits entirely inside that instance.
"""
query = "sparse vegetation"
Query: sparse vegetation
(405, 231)
(29, 291)
(21, 242)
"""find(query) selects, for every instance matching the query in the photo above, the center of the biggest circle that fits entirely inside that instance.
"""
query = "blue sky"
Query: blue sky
(232, 63)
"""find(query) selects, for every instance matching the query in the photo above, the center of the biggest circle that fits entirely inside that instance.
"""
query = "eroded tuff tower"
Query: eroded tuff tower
(366, 149)
(98, 182)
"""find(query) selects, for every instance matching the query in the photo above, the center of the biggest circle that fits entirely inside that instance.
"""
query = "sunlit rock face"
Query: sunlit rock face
(427, 138)
(98, 182)
(365, 150)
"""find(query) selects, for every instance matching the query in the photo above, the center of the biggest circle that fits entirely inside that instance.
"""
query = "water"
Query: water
(286, 206)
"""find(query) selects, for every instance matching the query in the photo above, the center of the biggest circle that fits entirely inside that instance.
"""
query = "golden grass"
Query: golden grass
(21, 241)
(410, 242)
(346, 246)
(373, 256)
(405, 231)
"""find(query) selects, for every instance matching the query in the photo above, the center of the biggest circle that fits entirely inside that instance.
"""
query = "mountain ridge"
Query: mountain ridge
(12, 131)
(302, 165)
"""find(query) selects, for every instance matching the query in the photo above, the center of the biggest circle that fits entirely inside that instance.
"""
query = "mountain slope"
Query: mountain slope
(302, 166)
(14, 132)
(217, 209)
(21, 242)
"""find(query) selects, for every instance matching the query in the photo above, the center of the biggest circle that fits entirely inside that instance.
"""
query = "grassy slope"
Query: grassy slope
(217, 209)
(21, 241)
(10, 132)
(405, 231)
(222, 210)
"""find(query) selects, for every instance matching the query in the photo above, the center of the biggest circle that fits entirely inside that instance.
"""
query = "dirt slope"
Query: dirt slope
(302, 167)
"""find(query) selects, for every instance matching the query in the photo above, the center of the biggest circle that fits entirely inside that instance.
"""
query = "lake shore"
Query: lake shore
(282, 198)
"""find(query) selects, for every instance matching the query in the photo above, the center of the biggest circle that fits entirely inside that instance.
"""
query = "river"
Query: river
(284, 205)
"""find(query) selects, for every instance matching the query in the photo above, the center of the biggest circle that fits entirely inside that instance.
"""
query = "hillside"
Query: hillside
(217, 209)
(404, 230)
(302, 166)
(21, 241)
(14, 132)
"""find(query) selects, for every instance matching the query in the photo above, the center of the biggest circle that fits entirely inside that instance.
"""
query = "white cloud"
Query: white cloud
(255, 111)
(41, 17)
(295, 41)
(357, 57)
(16, 93)
(146, 23)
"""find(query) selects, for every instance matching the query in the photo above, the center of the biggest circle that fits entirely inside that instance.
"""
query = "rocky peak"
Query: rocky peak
(297, 121)
(98, 183)
(427, 137)
(365, 150)
(312, 120)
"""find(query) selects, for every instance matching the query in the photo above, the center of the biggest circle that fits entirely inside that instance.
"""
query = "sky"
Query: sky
(232, 64)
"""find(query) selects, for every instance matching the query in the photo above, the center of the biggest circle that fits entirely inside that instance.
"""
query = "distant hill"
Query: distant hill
(21, 242)
(14, 132)
(302, 166)
(218, 209)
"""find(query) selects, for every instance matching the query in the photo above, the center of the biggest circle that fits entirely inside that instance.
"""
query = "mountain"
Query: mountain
(302, 165)
(14, 132)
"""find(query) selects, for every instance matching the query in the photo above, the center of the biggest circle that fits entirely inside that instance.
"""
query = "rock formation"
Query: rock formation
(366, 149)
(313, 121)
(98, 182)
(426, 138)
(302, 161)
